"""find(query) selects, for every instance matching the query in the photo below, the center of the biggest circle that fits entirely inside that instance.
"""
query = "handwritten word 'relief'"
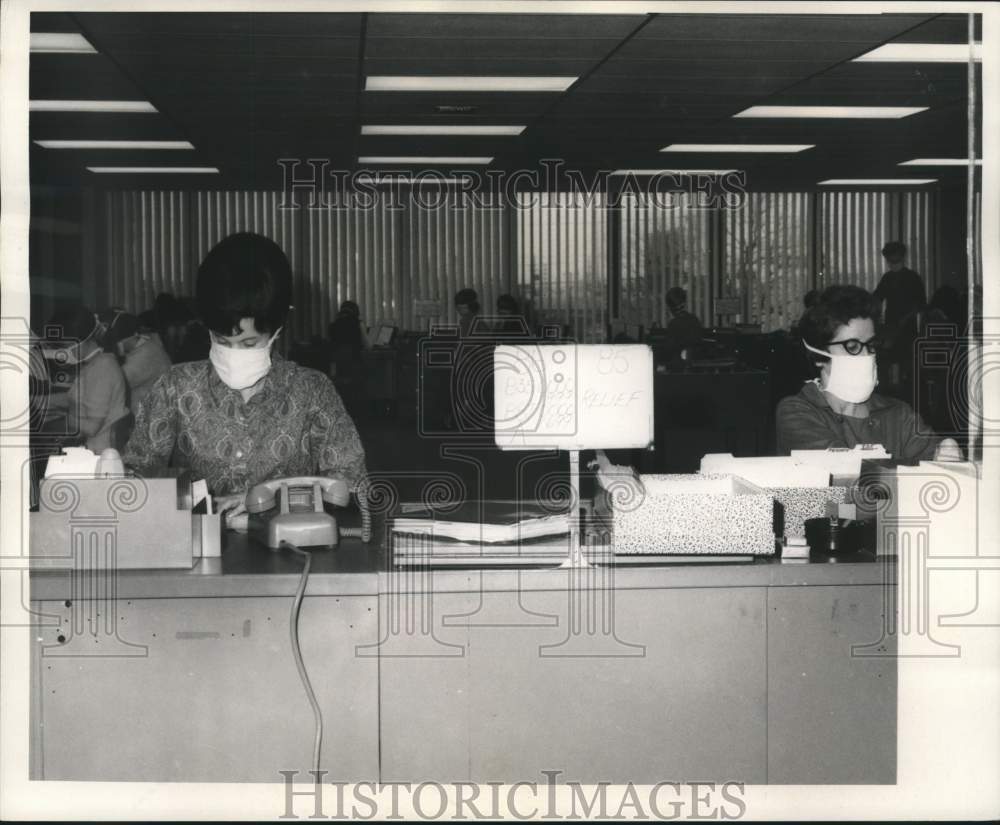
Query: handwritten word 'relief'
(593, 398)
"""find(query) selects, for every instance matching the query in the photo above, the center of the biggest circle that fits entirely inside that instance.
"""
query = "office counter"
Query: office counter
(727, 672)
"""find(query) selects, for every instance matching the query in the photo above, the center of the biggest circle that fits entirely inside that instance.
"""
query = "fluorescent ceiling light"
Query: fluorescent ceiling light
(114, 144)
(91, 106)
(457, 83)
(154, 170)
(645, 172)
(832, 111)
(921, 53)
(447, 160)
(429, 180)
(442, 130)
(765, 148)
(940, 162)
(60, 43)
(876, 181)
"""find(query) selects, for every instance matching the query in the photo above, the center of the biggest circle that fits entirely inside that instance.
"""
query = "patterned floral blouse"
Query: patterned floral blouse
(295, 424)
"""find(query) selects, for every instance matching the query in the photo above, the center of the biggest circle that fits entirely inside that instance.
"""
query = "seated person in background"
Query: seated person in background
(348, 341)
(97, 399)
(144, 358)
(684, 332)
(108, 333)
(245, 416)
(467, 307)
(840, 408)
(511, 321)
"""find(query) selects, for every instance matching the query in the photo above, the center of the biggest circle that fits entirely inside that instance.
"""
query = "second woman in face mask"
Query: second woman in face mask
(840, 407)
(97, 400)
(245, 415)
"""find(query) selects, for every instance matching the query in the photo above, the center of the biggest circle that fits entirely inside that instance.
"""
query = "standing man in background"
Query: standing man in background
(902, 298)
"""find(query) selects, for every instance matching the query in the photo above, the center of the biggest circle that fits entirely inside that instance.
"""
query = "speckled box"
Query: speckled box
(803, 503)
(696, 514)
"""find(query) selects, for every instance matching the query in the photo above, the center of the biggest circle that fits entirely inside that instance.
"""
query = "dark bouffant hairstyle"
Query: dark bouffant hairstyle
(244, 276)
(836, 306)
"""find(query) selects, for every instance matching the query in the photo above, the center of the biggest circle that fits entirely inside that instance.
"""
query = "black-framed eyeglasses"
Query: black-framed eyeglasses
(852, 346)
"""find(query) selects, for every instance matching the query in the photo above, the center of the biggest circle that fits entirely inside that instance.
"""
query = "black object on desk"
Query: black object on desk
(831, 538)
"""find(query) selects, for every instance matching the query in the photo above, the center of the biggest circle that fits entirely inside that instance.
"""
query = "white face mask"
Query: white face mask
(241, 367)
(852, 378)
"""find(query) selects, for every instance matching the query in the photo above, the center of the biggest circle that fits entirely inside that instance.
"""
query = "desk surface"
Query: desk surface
(250, 569)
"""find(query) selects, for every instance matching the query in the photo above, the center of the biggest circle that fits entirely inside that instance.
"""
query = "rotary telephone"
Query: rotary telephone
(301, 519)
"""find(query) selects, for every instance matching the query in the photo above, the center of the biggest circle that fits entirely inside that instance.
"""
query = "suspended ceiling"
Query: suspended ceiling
(249, 88)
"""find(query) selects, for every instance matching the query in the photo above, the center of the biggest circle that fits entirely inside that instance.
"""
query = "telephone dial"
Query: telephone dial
(301, 519)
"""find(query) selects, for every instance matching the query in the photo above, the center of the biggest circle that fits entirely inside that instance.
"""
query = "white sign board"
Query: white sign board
(573, 396)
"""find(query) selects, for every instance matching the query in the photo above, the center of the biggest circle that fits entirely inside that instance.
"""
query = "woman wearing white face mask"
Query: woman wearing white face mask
(840, 408)
(96, 400)
(143, 356)
(245, 415)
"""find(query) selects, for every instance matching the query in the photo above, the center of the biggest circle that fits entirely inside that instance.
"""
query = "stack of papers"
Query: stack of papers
(481, 531)
(531, 528)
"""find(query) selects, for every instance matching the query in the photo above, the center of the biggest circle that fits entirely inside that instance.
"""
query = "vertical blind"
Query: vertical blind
(562, 254)
(148, 247)
(453, 246)
(663, 247)
(348, 255)
(403, 261)
(853, 227)
(766, 256)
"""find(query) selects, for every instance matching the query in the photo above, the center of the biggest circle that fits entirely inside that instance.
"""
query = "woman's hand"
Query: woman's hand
(948, 450)
(231, 506)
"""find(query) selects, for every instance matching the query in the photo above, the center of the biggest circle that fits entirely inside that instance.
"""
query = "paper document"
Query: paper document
(532, 528)
(489, 522)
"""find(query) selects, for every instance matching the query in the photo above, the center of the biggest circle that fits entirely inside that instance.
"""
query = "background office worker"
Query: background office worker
(684, 331)
(902, 298)
(96, 404)
(840, 408)
(245, 415)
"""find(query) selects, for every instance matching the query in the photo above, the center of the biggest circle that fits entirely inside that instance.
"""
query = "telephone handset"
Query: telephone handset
(300, 527)
(332, 490)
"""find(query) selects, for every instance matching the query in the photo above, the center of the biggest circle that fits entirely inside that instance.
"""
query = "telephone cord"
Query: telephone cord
(297, 652)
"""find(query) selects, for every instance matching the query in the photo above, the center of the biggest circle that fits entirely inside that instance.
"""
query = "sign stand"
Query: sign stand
(574, 557)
